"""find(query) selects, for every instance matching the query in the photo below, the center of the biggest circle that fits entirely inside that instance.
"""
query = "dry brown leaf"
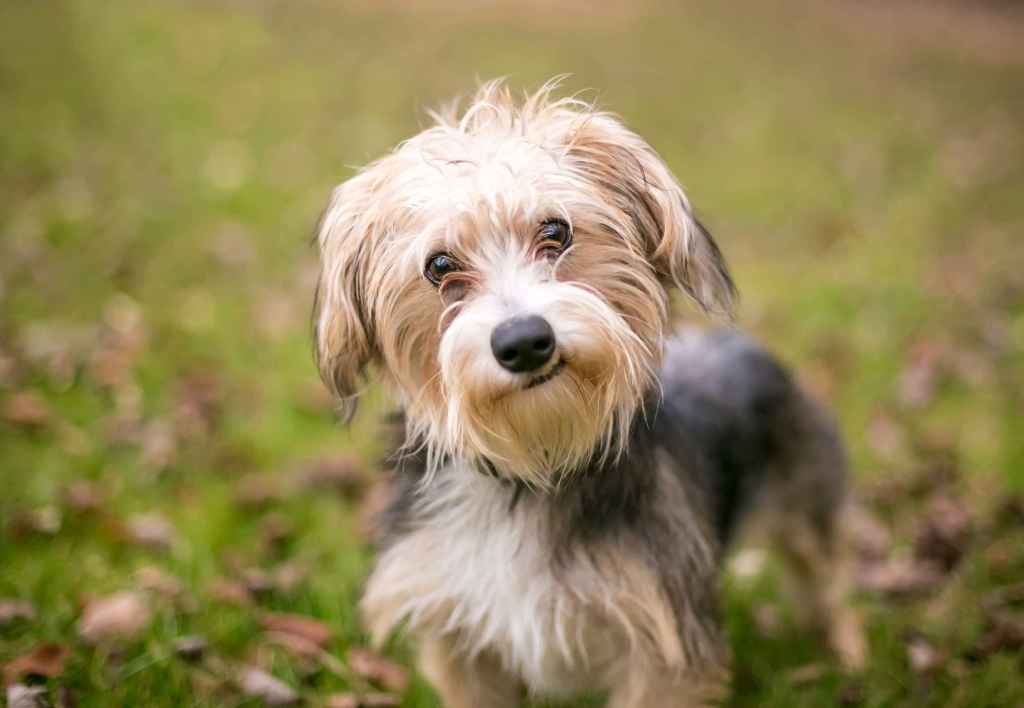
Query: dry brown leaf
(45, 521)
(258, 490)
(45, 660)
(289, 576)
(26, 409)
(297, 646)
(945, 532)
(868, 535)
(258, 581)
(14, 610)
(1005, 633)
(306, 628)
(122, 615)
(158, 444)
(83, 497)
(886, 437)
(200, 399)
(918, 381)
(276, 531)
(256, 683)
(230, 592)
(379, 669)
(153, 579)
(151, 530)
(190, 648)
(343, 474)
(808, 673)
(901, 577)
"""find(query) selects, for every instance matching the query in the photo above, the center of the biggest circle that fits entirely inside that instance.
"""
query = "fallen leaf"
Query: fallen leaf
(230, 592)
(1003, 597)
(276, 531)
(25, 409)
(151, 530)
(342, 474)
(901, 577)
(945, 532)
(190, 648)
(257, 491)
(295, 645)
(307, 628)
(808, 673)
(258, 581)
(158, 444)
(366, 700)
(869, 537)
(14, 610)
(152, 579)
(256, 683)
(289, 576)
(918, 381)
(45, 660)
(1005, 633)
(45, 521)
(20, 696)
(83, 497)
(199, 405)
(886, 437)
(378, 669)
(122, 615)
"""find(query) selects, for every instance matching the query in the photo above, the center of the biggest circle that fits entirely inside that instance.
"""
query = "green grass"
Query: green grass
(864, 180)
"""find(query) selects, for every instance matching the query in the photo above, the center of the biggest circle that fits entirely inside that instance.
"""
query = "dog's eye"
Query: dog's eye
(557, 232)
(439, 265)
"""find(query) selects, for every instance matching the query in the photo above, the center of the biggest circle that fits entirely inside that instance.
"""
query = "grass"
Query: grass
(162, 166)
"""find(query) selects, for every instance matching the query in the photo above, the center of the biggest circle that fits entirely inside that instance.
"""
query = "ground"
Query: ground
(170, 467)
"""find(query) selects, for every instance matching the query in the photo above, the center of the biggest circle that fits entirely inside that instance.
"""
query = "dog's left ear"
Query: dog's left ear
(633, 175)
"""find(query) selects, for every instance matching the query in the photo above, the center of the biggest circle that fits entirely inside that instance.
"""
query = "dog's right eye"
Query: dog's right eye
(439, 265)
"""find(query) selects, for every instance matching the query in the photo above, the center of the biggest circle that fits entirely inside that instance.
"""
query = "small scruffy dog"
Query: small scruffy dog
(572, 470)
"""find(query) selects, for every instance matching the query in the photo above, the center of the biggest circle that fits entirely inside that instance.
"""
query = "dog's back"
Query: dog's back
(736, 420)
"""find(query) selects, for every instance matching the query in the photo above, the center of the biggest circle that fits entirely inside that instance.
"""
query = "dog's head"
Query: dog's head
(509, 272)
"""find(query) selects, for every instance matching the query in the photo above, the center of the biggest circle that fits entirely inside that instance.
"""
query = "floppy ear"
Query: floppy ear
(642, 186)
(343, 339)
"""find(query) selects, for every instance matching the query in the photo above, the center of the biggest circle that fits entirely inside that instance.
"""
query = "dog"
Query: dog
(572, 468)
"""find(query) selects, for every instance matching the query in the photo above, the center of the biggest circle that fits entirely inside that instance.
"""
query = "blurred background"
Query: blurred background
(182, 521)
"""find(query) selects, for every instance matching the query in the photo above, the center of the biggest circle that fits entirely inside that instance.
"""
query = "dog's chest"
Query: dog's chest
(483, 574)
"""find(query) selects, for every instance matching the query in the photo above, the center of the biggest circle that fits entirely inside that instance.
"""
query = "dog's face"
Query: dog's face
(509, 272)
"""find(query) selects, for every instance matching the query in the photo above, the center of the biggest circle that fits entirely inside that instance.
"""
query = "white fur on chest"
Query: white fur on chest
(481, 573)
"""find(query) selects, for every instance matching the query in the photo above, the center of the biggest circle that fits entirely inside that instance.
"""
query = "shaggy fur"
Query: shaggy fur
(561, 530)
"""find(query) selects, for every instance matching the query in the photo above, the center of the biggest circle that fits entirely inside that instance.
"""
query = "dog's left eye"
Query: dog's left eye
(557, 232)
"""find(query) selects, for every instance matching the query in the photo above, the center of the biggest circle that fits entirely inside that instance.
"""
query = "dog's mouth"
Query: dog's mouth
(544, 378)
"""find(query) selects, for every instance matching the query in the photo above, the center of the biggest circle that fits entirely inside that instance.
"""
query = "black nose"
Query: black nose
(523, 343)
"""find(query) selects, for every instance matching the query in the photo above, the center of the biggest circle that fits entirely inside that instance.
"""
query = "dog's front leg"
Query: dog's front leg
(463, 682)
(649, 687)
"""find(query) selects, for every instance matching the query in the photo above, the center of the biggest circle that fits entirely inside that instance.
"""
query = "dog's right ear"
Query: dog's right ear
(343, 338)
